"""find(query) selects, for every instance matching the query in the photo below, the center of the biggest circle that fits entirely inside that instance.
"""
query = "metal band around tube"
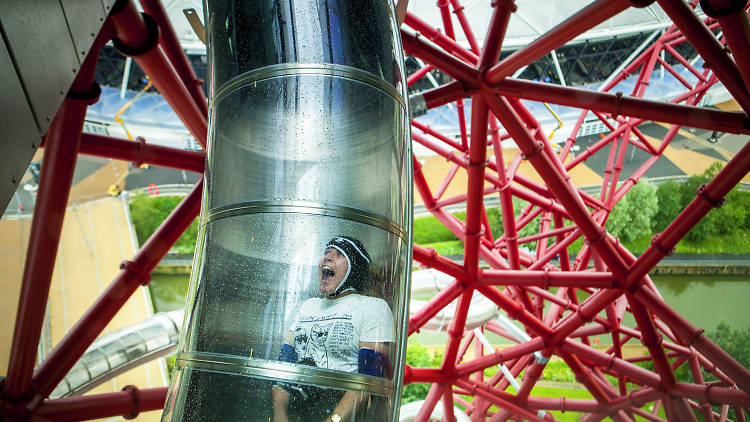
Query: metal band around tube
(293, 69)
(304, 207)
(273, 370)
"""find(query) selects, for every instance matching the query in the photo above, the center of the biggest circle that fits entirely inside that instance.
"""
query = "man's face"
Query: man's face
(332, 269)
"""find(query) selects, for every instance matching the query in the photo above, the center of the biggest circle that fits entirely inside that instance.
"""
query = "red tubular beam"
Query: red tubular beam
(419, 74)
(441, 40)
(456, 68)
(709, 48)
(428, 130)
(634, 372)
(171, 46)
(54, 186)
(436, 390)
(530, 378)
(607, 180)
(623, 105)
(448, 415)
(455, 331)
(137, 38)
(421, 184)
(445, 14)
(510, 353)
(567, 305)
(563, 190)
(134, 274)
(734, 24)
(653, 341)
(62, 142)
(435, 305)
(458, 10)
(516, 311)
(127, 403)
(586, 312)
(673, 72)
(695, 370)
(648, 67)
(548, 204)
(430, 258)
(566, 405)
(645, 415)
(589, 330)
(474, 192)
(684, 62)
(141, 152)
(682, 410)
(550, 233)
(587, 18)
(711, 394)
(462, 124)
(589, 151)
(510, 232)
(585, 376)
(500, 398)
(448, 93)
(546, 278)
(412, 374)
(501, 11)
(447, 180)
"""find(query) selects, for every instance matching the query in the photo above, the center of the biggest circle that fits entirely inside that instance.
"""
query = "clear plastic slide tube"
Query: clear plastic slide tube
(297, 308)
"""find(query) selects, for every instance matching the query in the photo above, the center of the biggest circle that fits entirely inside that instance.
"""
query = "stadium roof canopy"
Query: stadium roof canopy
(532, 18)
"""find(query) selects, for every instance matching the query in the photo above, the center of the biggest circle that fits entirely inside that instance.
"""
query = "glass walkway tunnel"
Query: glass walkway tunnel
(307, 108)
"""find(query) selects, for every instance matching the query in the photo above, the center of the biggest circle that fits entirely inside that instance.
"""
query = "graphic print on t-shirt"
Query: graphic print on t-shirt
(300, 341)
(328, 333)
(322, 338)
(317, 345)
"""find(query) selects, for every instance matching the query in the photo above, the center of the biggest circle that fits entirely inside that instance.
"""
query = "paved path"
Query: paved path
(96, 237)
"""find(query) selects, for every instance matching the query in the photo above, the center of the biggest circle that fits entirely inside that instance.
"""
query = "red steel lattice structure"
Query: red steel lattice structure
(519, 283)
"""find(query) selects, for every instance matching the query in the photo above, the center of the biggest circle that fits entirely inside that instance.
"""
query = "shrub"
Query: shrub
(734, 342)
(558, 371)
(149, 212)
(418, 356)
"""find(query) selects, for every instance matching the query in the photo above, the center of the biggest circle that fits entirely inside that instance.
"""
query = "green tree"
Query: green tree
(707, 226)
(619, 218)
(632, 216)
(669, 196)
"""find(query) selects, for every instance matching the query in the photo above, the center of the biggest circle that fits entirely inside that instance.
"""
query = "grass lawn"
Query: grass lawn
(556, 392)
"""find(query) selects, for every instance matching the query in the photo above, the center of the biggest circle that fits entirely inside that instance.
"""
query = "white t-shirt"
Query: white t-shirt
(329, 330)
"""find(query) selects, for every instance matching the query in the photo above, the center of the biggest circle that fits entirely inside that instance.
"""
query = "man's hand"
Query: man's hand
(348, 405)
(280, 404)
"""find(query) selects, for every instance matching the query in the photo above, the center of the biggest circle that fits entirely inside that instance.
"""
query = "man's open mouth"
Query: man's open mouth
(327, 273)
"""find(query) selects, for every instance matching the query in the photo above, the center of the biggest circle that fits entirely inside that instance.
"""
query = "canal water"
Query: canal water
(704, 300)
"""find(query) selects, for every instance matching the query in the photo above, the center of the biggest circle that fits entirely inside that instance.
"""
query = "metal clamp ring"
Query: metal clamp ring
(153, 39)
(539, 147)
(136, 402)
(716, 203)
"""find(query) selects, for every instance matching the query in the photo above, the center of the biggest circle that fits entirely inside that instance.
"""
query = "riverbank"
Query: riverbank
(720, 264)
